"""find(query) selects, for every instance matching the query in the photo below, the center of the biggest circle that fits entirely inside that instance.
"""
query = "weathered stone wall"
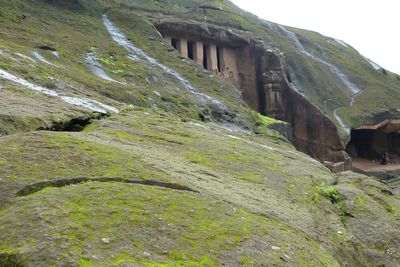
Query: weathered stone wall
(247, 75)
(271, 84)
(229, 69)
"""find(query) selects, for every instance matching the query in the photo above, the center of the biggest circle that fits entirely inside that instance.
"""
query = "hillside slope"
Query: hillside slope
(116, 151)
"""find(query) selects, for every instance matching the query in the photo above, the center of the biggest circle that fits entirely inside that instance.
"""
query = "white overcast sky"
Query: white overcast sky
(370, 26)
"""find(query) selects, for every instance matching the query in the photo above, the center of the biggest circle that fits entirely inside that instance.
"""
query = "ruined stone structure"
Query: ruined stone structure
(260, 75)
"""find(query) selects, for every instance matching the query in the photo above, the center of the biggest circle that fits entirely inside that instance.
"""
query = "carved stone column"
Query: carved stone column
(198, 52)
(182, 47)
(212, 58)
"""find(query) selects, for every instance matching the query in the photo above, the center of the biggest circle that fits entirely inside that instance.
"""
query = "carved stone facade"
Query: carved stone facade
(260, 75)
(273, 91)
(217, 59)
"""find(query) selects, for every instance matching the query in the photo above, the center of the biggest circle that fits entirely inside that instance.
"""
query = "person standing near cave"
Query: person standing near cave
(385, 158)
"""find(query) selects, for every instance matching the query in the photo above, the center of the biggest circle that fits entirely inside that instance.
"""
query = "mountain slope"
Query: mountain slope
(116, 151)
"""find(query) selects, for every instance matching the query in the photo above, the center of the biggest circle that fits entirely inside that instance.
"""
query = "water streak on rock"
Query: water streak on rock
(82, 102)
(340, 121)
(55, 53)
(37, 55)
(354, 89)
(342, 43)
(25, 57)
(373, 64)
(96, 68)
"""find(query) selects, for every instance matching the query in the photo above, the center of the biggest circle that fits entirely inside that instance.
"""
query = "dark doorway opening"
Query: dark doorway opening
(206, 49)
(174, 43)
(190, 50)
(219, 54)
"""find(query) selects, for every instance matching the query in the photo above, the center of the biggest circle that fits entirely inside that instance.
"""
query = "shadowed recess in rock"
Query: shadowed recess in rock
(76, 124)
(33, 188)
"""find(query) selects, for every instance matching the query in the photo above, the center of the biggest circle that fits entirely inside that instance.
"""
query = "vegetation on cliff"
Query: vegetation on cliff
(170, 179)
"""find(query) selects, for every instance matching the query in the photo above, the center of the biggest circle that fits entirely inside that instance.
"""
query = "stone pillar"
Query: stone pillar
(198, 53)
(223, 59)
(168, 40)
(212, 59)
(183, 47)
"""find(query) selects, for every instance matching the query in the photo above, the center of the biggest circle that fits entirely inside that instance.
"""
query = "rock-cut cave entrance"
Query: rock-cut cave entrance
(368, 144)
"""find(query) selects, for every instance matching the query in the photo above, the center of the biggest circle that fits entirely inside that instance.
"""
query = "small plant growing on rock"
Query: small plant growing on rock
(330, 192)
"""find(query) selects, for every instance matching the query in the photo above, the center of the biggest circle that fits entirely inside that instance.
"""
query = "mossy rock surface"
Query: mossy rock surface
(105, 224)
(153, 185)
(252, 199)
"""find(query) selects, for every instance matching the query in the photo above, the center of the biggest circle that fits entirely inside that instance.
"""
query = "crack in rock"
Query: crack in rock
(35, 187)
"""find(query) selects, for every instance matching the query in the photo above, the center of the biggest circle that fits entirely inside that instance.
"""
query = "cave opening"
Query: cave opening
(174, 43)
(367, 147)
(206, 48)
(190, 47)
(219, 59)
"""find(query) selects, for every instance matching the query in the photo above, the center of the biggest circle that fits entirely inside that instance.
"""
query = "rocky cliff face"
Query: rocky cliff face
(313, 132)
(116, 150)
(261, 77)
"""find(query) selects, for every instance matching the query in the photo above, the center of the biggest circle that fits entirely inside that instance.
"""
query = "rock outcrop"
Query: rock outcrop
(261, 77)
(169, 166)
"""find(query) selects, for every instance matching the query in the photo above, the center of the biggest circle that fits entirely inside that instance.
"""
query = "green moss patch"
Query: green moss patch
(98, 224)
